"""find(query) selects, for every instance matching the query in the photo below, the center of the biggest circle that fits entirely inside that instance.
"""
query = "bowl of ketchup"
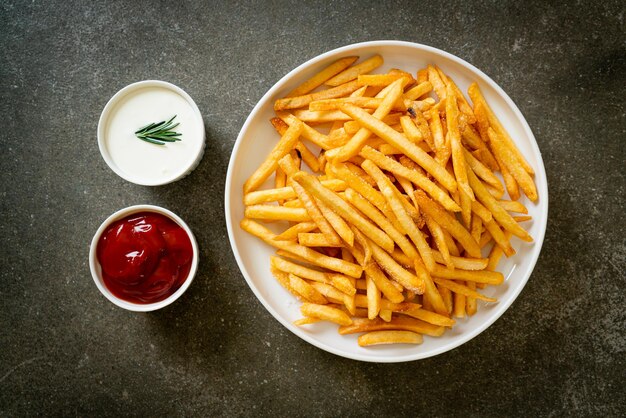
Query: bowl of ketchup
(142, 258)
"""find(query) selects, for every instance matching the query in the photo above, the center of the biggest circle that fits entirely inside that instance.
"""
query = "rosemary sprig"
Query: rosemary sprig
(159, 133)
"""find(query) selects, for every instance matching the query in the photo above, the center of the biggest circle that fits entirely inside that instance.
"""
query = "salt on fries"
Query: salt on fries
(388, 224)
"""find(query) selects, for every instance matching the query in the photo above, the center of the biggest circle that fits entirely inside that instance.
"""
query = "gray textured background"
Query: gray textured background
(65, 350)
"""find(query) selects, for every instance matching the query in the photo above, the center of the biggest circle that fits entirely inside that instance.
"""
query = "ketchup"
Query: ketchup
(145, 257)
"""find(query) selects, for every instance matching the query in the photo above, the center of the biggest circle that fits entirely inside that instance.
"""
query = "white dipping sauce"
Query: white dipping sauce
(143, 162)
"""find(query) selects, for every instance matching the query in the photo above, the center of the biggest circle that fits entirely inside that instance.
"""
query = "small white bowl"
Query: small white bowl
(96, 269)
(140, 162)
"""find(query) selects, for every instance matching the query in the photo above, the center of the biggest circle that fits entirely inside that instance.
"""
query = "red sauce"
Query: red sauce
(145, 257)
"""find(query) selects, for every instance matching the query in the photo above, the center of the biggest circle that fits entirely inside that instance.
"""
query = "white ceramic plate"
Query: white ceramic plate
(257, 137)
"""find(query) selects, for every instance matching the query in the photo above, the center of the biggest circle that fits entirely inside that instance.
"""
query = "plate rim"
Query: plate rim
(502, 306)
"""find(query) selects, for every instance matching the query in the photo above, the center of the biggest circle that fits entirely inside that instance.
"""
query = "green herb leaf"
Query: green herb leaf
(159, 133)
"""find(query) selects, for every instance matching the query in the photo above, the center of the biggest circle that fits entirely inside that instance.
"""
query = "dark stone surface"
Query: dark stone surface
(65, 350)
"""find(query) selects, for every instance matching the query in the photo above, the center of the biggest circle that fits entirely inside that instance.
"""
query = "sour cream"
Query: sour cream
(141, 162)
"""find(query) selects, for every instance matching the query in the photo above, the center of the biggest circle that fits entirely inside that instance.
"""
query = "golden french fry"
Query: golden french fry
(339, 225)
(342, 283)
(458, 159)
(284, 146)
(402, 143)
(462, 102)
(462, 289)
(373, 298)
(510, 183)
(463, 263)
(280, 213)
(442, 153)
(448, 222)
(359, 93)
(385, 315)
(499, 237)
(380, 280)
(326, 313)
(522, 218)
(437, 233)
(280, 125)
(291, 233)
(482, 121)
(466, 208)
(437, 82)
(498, 212)
(477, 97)
(356, 182)
(483, 276)
(458, 305)
(513, 206)
(331, 293)
(485, 239)
(306, 321)
(292, 256)
(483, 155)
(510, 160)
(418, 91)
(410, 130)
(287, 192)
(422, 124)
(470, 303)
(299, 270)
(473, 140)
(306, 290)
(331, 263)
(308, 239)
(316, 215)
(363, 102)
(389, 337)
(429, 316)
(310, 116)
(482, 171)
(421, 105)
(447, 297)
(452, 247)
(319, 78)
(353, 72)
(378, 80)
(430, 290)
(308, 157)
(496, 254)
(308, 132)
(396, 323)
(283, 279)
(304, 100)
(349, 304)
(367, 250)
(289, 165)
(481, 211)
(360, 172)
(362, 302)
(422, 75)
(280, 179)
(295, 203)
(427, 305)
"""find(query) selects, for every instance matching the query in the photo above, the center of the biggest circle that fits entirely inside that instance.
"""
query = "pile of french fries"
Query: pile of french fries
(388, 221)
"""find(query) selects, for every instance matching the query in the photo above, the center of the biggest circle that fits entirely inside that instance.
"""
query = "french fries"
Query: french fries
(390, 218)
(389, 337)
